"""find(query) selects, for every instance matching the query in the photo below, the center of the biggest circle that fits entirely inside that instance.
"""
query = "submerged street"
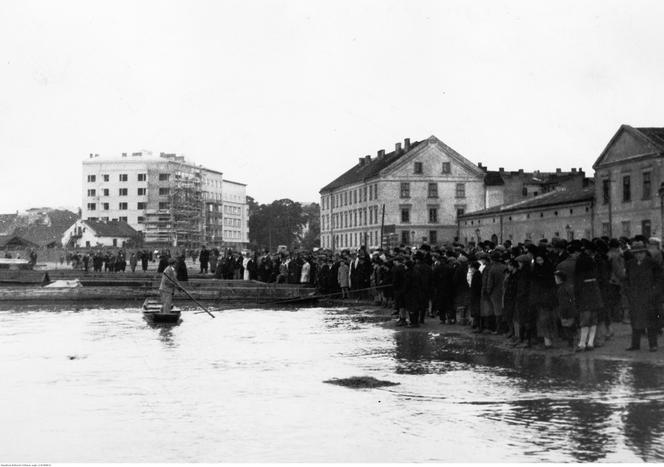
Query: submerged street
(100, 385)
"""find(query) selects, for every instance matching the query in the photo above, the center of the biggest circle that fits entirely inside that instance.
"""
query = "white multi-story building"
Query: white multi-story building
(421, 188)
(236, 215)
(169, 200)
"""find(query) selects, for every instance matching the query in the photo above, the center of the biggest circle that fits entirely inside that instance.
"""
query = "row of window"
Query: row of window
(233, 234)
(232, 222)
(370, 216)
(541, 214)
(142, 177)
(371, 238)
(646, 188)
(354, 218)
(125, 192)
(418, 168)
(432, 190)
(350, 197)
(626, 228)
(123, 206)
(233, 210)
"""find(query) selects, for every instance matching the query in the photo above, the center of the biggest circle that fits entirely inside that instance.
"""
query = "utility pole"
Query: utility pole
(382, 226)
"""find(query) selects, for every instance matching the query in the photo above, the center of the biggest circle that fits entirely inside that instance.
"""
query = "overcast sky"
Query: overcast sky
(286, 95)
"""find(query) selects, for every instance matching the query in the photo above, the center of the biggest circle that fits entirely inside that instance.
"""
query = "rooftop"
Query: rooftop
(552, 198)
(112, 229)
(368, 167)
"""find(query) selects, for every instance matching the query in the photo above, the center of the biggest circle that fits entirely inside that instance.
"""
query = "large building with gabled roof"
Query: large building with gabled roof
(628, 180)
(409, 196)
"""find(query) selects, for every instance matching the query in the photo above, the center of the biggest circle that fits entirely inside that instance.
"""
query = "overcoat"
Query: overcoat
(586, 285)
(643, 291)
(492, 289)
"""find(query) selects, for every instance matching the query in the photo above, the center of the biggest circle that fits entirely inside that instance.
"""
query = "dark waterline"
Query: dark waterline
(102, 385)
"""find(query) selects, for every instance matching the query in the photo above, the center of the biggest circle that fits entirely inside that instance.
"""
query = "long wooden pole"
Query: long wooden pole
(189, 295)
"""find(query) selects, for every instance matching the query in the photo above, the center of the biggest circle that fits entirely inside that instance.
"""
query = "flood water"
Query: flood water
(100, 385)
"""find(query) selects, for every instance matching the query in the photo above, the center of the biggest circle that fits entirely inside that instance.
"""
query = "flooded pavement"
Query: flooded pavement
(101, 385)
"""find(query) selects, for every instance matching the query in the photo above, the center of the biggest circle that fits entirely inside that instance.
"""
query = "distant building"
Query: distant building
(91, 234)
(170, 200)
(508, 187)
(628, 176)
(563, 213)
(236, 216)
(422, 186)
(42, 227)
(15, 242)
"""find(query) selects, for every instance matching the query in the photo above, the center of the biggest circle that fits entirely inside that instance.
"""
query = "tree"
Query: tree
(311, 235)
(278, 223)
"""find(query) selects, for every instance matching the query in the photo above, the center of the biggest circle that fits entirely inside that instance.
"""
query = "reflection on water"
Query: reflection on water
(248, 386)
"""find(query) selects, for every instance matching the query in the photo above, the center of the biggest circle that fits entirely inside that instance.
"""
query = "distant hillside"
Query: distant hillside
(42, 226)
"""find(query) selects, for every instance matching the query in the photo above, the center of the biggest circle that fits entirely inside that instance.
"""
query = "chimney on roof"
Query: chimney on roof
(501, 169)
(558, 170)
(573, 170)
(381, 153)
(397, 148)
(124, 154)
(91, 155)
(380, 158)
(479, 164)
(406, 144)
(520, 171)
(361, 163)
(580, 169)
(367, 159)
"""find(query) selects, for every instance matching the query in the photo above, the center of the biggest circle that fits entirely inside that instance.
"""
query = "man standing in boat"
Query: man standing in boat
(167, 287)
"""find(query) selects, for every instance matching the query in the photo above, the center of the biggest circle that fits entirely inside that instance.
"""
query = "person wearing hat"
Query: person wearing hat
(587, 295)
(521, 301)
(642, 283)
(167, 287)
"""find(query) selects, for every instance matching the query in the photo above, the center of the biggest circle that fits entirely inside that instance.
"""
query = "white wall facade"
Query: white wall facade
(351, 215)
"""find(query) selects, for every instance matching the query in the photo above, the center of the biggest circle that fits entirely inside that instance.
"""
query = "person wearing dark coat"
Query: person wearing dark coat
(424, 274)
(461, 290)
(566, 306)
(492, 291)
(163, 263)
(543, 296)
(399, 290)
(642, 283)
(474, 279)
(509, 299)
(522, 315)
(414, 292)
(181, 269)
(587, 295)
(204, 259)
(145, 257)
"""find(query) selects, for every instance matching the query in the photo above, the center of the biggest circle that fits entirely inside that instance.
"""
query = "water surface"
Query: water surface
(101, 385)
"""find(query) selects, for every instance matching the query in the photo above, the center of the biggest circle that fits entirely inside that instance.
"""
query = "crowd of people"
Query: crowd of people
(533, 294)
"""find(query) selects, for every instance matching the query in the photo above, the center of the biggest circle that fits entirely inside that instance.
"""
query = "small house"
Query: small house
(88, 234)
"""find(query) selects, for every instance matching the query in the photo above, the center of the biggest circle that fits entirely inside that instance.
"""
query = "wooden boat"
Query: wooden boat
(152, 312)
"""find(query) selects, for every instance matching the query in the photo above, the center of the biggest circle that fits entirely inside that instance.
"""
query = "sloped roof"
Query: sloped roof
(112, 229)
(655, 135)
(6, 239)
(368, 169)
(51, 228)
(552, 198)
